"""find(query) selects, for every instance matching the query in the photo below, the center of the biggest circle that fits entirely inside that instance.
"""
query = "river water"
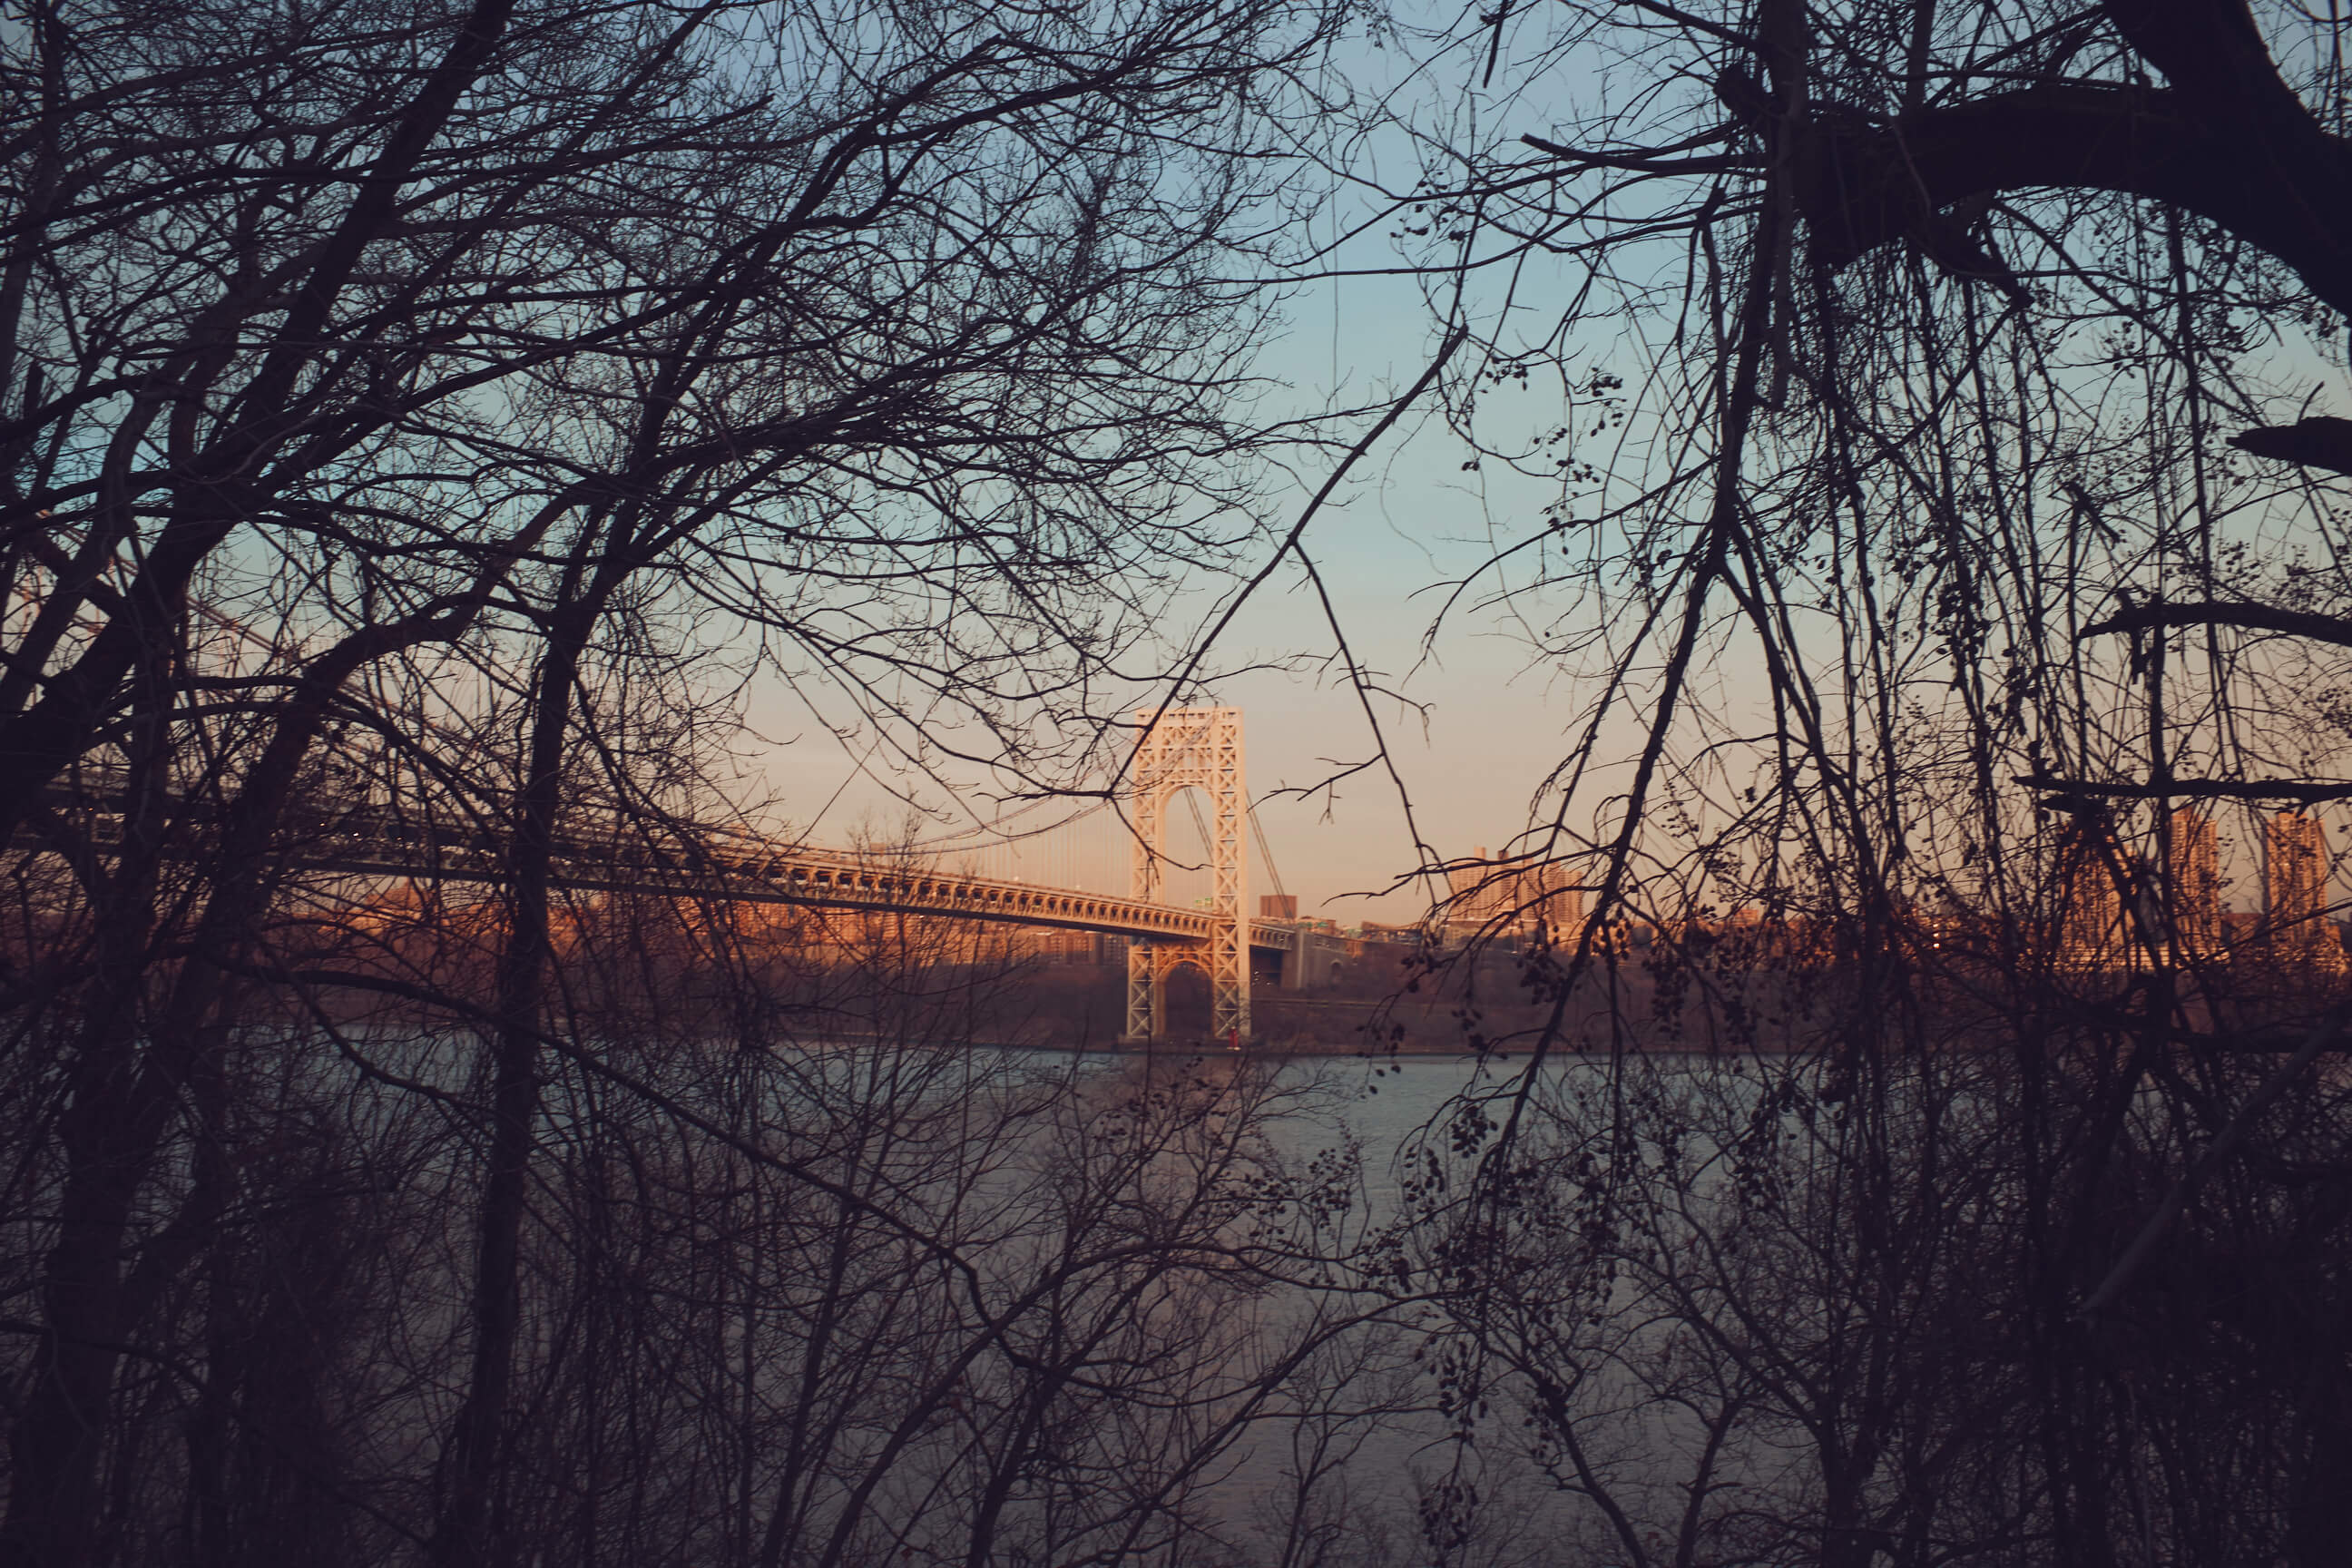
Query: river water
(1383, 1103)
(1375, 1494)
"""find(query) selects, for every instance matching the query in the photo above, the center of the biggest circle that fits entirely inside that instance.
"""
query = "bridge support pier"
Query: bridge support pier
(1146, 993)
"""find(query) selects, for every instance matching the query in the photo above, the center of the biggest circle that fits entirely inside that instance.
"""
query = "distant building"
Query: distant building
(1064, 947)
(2196, 885)
(2090, 923)
(2092, 869)
(1509, 896)
(1278, 906)
(1477, 892)
(2295, 893)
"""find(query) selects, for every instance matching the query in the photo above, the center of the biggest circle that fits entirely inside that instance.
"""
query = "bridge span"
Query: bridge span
(742, 868)
(1179, 749)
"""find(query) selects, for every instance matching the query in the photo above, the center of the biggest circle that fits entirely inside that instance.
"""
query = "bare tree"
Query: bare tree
(396, 406)
(1898, 356)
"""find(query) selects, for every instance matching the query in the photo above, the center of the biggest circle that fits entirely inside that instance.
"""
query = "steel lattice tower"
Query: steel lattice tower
(1194, 748)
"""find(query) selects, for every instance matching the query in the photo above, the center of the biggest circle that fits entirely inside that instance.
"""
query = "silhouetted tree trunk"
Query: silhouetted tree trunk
(1946, 319)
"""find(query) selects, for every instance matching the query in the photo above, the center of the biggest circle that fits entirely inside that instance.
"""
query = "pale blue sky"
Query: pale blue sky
(1409, 518)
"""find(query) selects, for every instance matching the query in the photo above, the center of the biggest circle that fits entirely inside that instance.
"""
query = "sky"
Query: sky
(1493, 720)
(1407, 520)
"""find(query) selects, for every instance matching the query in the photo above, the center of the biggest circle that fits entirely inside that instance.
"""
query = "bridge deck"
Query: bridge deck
(817, 880)
(371, 841)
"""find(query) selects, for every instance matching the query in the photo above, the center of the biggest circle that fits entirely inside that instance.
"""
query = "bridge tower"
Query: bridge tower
(1197, 748)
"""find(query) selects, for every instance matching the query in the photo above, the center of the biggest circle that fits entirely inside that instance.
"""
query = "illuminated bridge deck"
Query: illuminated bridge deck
(741, 867)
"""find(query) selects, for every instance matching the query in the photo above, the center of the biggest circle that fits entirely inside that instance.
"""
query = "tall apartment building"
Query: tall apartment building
(1487, 893)
(2196, 885)
(1476, 889)
(2090, 914)
(2295, 893)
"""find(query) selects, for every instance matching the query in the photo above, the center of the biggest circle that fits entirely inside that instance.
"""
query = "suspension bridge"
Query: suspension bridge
(1109, 869)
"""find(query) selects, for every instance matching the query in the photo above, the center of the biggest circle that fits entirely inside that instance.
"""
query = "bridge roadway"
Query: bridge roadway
(366, 840)
(824, 880)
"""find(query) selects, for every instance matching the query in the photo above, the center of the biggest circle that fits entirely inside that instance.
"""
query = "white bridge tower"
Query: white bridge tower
(1195, 748)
